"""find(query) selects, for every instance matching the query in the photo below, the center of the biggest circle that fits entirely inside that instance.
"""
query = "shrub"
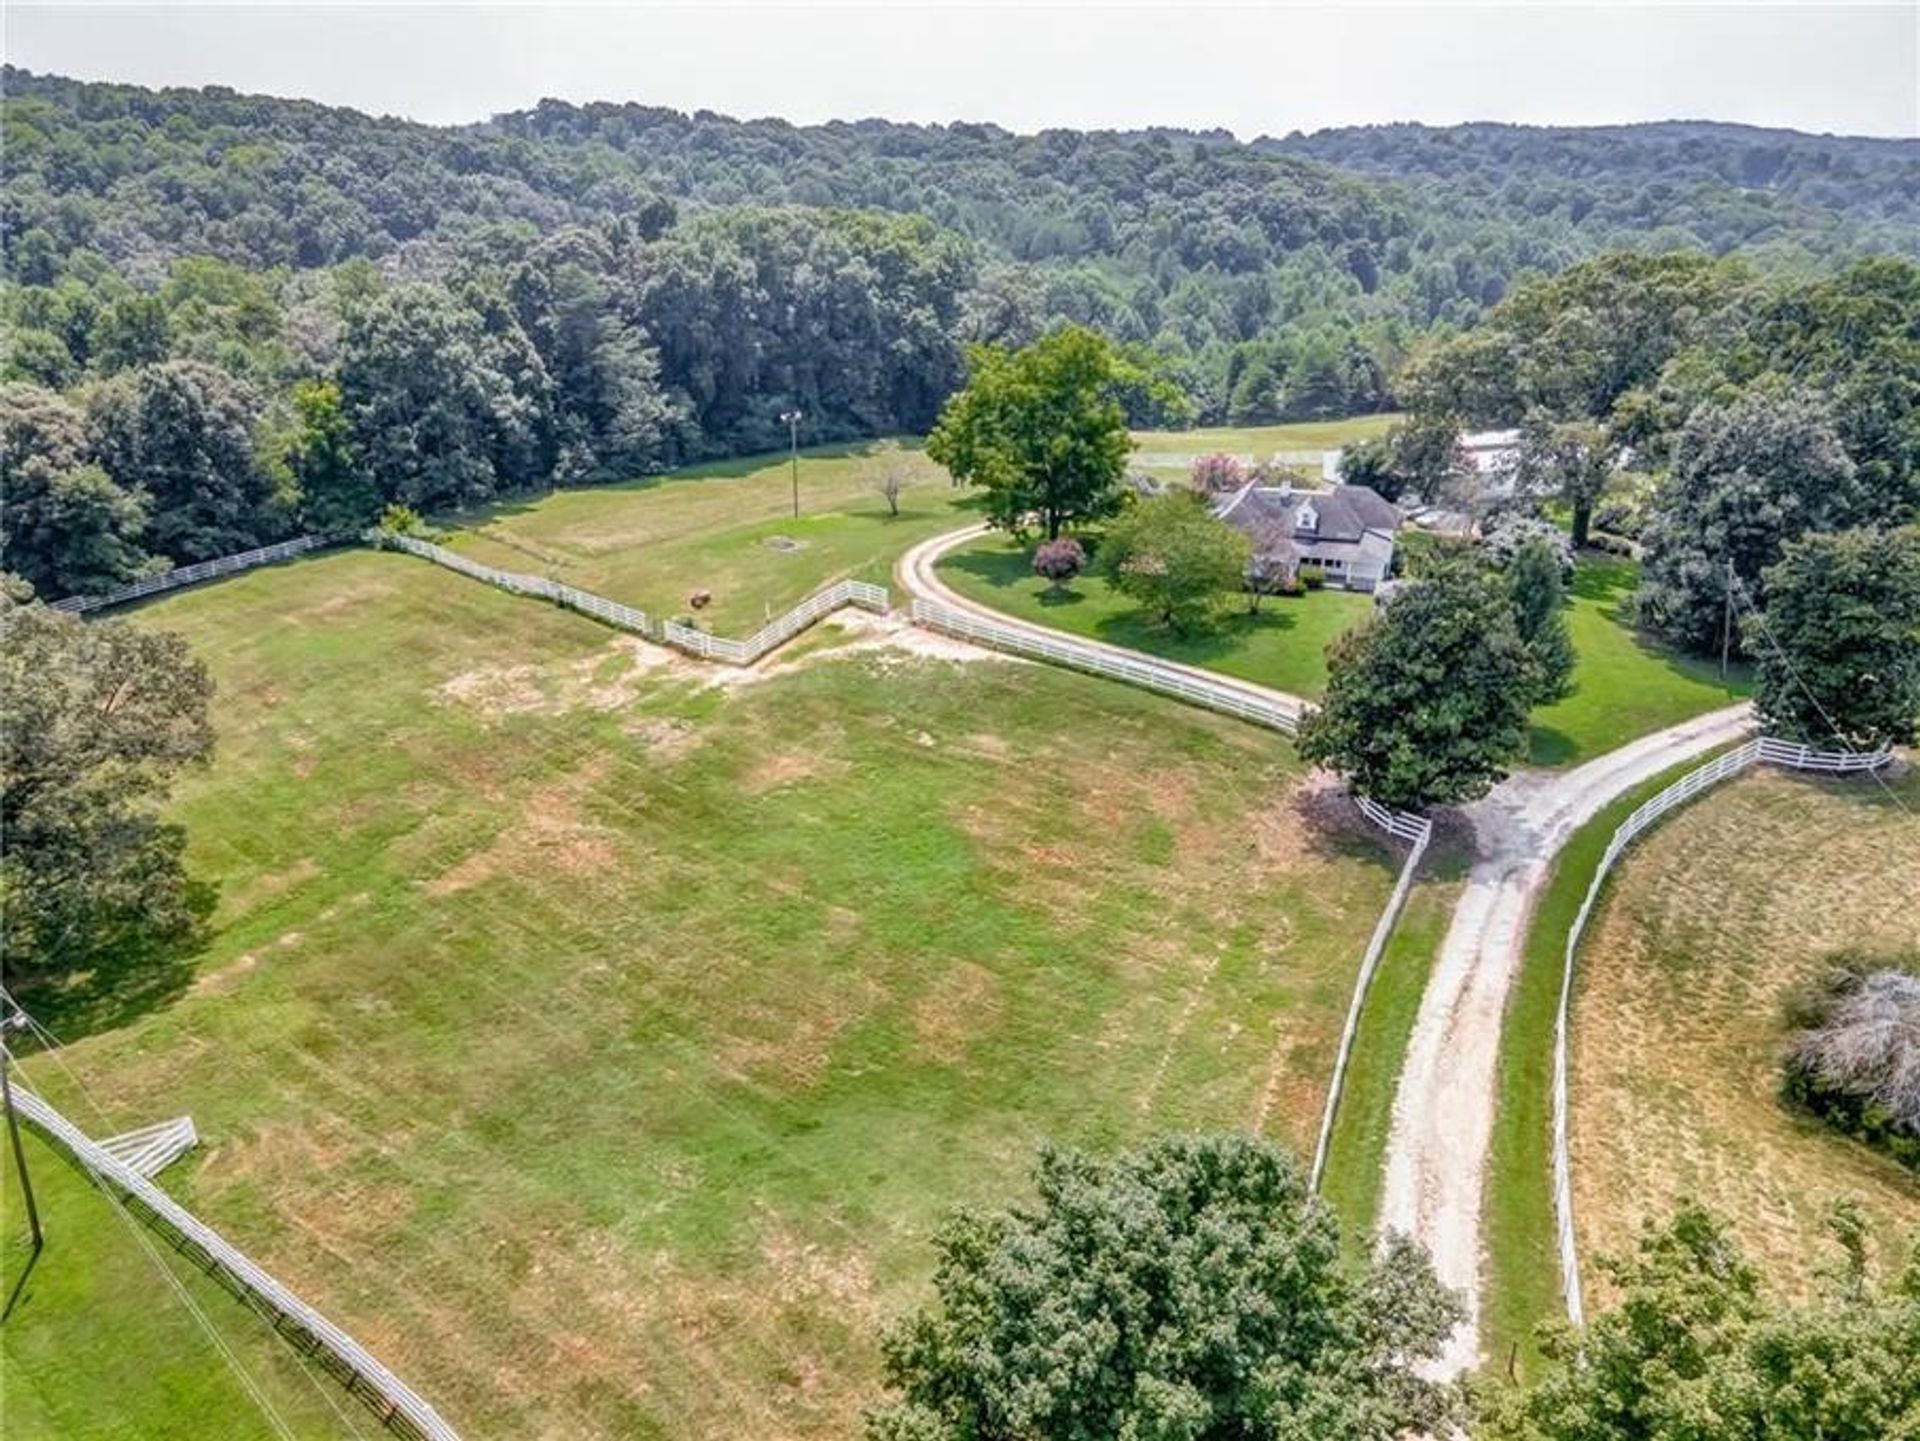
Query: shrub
(399, 519)
(1311, 577)
(1505, 537)
(1853, 1058)
(1622, 516)
(1218, 474)
(1059, 561)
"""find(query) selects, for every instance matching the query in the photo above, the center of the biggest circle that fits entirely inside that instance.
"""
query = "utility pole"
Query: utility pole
(793, 419)
(14, 1023)
(1726, 622)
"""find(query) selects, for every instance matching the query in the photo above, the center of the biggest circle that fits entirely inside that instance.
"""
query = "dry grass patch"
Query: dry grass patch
(1676, 1078)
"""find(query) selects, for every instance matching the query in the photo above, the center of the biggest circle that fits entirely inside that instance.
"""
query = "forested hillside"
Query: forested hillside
(234, 316)
(1718, 187)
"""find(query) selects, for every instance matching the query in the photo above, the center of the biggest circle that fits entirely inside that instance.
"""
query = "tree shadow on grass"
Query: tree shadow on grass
(138, 973)
(1230, 635)
(1548, 747)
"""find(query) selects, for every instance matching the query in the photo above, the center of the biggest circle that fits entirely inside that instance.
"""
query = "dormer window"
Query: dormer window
(1306, 518)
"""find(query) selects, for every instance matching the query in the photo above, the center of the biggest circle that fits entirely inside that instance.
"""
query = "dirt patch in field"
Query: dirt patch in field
(608, 679)
(960, 1005)
(550, 834)
(785, 1042)
(771, 772)
(665, 737)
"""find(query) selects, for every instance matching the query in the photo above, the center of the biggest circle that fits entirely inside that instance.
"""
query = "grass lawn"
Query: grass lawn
(1677, 1026)
(1176, 449)
(1624, 685)
(601, 1043)
(1357, 1155)
(1283, 646)
(727, 528)
(100, 1347)
(1522, 1283)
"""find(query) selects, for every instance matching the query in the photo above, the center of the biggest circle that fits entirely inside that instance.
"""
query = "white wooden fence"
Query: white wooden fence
(1144, 671)
(191, 574)
(694, 642)
(622, 617)
(1764, 750)
(397, 1405)
(781, 629)
(1417, 831)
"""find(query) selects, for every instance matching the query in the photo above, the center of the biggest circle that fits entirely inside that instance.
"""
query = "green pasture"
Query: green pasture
(600, 1042)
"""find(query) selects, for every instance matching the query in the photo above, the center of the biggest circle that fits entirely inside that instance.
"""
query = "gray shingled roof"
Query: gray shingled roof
(1345, 513)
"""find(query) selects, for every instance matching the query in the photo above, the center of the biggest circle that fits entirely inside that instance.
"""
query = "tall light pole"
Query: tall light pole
(793, 419)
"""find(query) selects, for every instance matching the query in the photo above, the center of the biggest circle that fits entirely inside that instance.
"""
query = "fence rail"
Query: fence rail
(397, 1405)
(1401, 825)
(192, 574)
(1135, 670)
(1762, 751)
(781, 629)
(775, 632)
(1418, 831)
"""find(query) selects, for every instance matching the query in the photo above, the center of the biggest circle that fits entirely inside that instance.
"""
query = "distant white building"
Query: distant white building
(1492, 451)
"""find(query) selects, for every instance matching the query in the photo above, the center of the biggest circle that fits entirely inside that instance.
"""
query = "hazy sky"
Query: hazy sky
(1251, 69)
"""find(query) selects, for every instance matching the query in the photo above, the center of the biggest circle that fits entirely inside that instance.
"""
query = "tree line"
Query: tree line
(1275, 279)
(228, 408)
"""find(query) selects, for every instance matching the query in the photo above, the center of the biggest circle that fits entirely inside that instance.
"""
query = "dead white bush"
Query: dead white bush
(1864, 1039)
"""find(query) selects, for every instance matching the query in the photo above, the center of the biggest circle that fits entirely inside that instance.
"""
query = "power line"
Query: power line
(1753, 612)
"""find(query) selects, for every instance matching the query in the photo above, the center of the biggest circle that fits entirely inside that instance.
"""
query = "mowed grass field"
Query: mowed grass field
(601, 1044)
(1283, 645)
(1625, 685)
(727, 528)
(102, 1340)
(1160, 450)
(1710, 920)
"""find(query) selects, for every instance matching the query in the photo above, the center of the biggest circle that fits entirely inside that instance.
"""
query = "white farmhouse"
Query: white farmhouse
(1346, 531)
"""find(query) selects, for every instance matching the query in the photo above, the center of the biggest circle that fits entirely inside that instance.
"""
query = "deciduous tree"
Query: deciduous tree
(1534, 580)
(1193, 1288)
(100, 717)
(1174, 557)
(1041, 429)
(1747, 478)
(1427, 704)
(65, 527)
(1694, 1347)
(184, 434)
(1837, 651)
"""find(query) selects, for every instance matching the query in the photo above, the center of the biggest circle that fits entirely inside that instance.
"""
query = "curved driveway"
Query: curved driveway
(918, 578)
(1443, 1111)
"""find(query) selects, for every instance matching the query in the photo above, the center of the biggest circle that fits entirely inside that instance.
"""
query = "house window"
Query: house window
(1307, 519)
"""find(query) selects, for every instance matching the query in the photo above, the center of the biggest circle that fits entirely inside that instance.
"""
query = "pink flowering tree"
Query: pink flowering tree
(1218, 474)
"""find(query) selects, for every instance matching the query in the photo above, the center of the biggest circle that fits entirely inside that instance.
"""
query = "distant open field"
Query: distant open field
(727, 528)
(1709, 922)
(600, 1044)
(1169, 449)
